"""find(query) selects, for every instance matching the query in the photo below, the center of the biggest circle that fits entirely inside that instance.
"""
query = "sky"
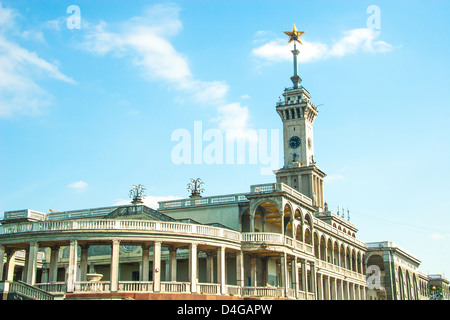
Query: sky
(98, 96)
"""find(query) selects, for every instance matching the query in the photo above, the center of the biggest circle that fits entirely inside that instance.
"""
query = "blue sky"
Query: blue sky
(87, 113)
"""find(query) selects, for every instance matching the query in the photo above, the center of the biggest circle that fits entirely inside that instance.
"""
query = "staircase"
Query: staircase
(18, 290)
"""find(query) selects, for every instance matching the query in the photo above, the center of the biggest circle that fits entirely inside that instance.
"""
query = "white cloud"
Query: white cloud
(234, 119)
(438, 236)
(149, 201)
(333, 178)
(352, 41)
(79, 186)
(145, 41)
(19, 68)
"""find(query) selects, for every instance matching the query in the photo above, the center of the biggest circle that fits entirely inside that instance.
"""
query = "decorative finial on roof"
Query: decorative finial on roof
(195, 187)
(136, 194)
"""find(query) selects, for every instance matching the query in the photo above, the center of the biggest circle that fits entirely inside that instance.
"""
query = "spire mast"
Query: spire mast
(294, 35)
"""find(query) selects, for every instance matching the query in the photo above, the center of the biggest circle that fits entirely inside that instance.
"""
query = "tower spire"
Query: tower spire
(294, 36)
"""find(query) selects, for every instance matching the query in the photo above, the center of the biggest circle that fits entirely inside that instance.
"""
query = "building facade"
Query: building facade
(279, 240)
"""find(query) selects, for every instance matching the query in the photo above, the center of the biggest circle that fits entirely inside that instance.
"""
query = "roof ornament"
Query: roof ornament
(136, 193)
(294, 36)
(195, 187)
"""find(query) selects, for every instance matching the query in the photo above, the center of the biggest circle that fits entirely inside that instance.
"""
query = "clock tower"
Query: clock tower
(298, 114)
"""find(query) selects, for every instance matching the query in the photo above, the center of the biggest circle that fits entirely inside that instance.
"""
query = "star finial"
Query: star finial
(294, 35)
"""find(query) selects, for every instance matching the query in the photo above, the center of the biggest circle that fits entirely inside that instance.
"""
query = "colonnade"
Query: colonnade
(298, 277)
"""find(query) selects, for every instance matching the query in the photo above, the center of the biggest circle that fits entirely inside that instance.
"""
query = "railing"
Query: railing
(262, 237)
(25, 290)
(347, 237)
(92, 286)
(178, 287)
(274, 292)
(290, 293)
(277, 238)
(182, 203)
(174, 287)
(280, 187)
(139, 225)
(208, 288)
(55, 287)
(26, 213)
(233, 290)
(341, 270)
(135, 286)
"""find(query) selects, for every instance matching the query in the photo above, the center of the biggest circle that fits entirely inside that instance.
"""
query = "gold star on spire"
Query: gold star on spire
(294, 35)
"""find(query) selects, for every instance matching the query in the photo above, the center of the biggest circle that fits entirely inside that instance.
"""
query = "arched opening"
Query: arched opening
(316, 246)
(329, 251)
(323, 248)
(336, 253)
(266, 218)
(415, 288)
(353, 260)
(299, 230)
(408, 286)
(358, 259)
(347, 259)
(288, 221)
(401, 283)
(342, 256)
(245, 221)
(308, 236)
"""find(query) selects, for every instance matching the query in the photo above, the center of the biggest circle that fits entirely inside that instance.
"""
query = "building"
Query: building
(279, 240)
(399, 275)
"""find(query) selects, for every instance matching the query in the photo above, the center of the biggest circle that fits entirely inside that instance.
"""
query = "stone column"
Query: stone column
(221, 269)
(320, 287)
(44, 275)
(25, 265)
(84, 262)
(347, 290)
(193, 267)
(335, 289)
(312, 271)
(54, 255)
(173, 264)
(114, 272)
(2, 261)
(341, 290)
(328, 287)
(304, 275)
(32, 263)
(10, 264)
(72, 267)
(145, 262)
(240, 269)
(294, 269)
(157, 267)
(253, 279)
(351, 288)
(284, 272)
(210, 267)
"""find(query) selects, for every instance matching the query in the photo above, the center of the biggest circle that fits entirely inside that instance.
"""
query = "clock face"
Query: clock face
(294, 142)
